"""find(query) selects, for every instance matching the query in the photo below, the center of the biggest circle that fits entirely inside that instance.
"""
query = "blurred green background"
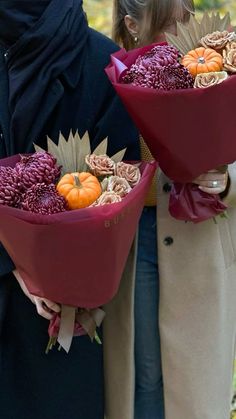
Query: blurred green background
(100, 11)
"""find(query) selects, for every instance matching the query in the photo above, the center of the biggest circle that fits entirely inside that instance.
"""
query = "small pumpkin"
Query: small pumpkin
(202, 60)
(79, 189)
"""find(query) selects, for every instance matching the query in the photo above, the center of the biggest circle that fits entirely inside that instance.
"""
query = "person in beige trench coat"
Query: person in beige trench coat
(197, 317)
(197, 275)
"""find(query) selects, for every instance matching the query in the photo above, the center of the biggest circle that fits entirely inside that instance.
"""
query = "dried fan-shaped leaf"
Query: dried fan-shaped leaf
(101, 148)
(225, 22)
(195, 29)
(63, 152)
(71, 153)
(183, 33)
(189, 35)
(84, 150)
(54, 150)
(118, 156)
(174, 40)
(71, 140)
(37, 148)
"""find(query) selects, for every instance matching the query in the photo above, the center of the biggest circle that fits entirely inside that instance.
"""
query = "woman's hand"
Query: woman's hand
(44, 307)
(213, 182)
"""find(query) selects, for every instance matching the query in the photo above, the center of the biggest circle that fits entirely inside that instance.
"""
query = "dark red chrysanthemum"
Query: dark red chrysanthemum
(40, 167)
(43, 199)
(159, 69)
(158, 57)
(171, 78)
(10, 193)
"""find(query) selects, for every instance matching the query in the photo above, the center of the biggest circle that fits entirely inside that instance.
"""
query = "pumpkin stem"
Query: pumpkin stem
(77, 182)
(201, 60)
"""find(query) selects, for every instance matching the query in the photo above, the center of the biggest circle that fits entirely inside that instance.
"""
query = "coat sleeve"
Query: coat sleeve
(6, 264)
(109, 118)
(115, 123)
(230, 197)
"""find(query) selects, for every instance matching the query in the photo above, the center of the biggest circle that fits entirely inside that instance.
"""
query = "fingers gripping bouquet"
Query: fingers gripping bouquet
(181, 96)
(68, 217)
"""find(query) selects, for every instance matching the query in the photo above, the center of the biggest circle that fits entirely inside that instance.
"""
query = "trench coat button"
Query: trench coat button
(167, 187)
(168, 241)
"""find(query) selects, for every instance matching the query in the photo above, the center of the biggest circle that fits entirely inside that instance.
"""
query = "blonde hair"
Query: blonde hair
(153, 16)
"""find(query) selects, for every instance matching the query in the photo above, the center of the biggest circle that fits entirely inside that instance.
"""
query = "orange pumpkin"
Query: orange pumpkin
(202, 60)
(79, 189)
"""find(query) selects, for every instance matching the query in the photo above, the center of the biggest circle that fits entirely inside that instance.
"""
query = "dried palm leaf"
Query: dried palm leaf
(189, 35)
(71, 153)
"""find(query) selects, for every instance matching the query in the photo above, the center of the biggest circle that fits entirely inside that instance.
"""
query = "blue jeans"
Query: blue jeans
(149, 387)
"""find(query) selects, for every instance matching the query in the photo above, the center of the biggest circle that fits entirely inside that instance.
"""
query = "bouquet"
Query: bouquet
(68, 217)
(181, 95)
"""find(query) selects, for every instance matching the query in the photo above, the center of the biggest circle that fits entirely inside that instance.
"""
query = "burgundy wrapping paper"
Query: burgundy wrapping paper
(76, 257)
(188, 131)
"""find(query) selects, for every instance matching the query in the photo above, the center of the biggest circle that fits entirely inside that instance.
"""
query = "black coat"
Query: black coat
(57, 386)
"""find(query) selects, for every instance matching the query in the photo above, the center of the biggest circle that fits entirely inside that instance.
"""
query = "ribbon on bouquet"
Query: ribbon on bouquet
(75, 322)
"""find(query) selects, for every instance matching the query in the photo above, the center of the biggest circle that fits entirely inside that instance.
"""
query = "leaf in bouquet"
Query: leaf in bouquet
(206, 24)
(216, 23)
(97, 338)
(189, 35)
(183, 32)
(71, 140)
(119, 156)
(174, 40)
(194, 29)
(53, 149)
(225, 22)
(83, 149)
(37, 148)
(101, 148)
(63, 153)
(71, 153)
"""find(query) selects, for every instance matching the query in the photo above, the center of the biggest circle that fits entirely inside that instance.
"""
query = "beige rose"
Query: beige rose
(129, 172)
(104, 184)
(118, 185)
(204, 80)
(107, 198)
(229, 57)
(217, 40)
(100, 165)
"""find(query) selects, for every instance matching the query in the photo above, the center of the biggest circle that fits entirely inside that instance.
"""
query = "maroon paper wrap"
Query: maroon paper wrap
(76, 257)
(188, 131)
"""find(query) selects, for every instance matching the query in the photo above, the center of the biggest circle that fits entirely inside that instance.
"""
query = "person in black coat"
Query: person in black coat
(51, 79)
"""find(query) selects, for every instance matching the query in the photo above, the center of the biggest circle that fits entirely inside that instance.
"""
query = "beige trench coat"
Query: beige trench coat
(197, 317)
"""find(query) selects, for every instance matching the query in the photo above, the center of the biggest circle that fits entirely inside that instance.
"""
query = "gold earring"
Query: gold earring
(136, 39)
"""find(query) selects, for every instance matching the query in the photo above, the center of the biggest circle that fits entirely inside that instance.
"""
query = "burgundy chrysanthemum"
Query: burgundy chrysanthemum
(40, 167)
(159, 68)
(43, 199)
(148, 64)
(171, 78)
(9, 187)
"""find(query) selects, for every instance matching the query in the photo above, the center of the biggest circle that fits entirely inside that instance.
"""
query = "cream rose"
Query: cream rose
(204, 80)
(118, 185)
(217, 40)
(229, 57)
(129, 172)
(100, 165)
(107, 198)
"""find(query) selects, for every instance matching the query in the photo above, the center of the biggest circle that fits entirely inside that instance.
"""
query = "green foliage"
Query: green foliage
(209, 4)
(99, 12)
